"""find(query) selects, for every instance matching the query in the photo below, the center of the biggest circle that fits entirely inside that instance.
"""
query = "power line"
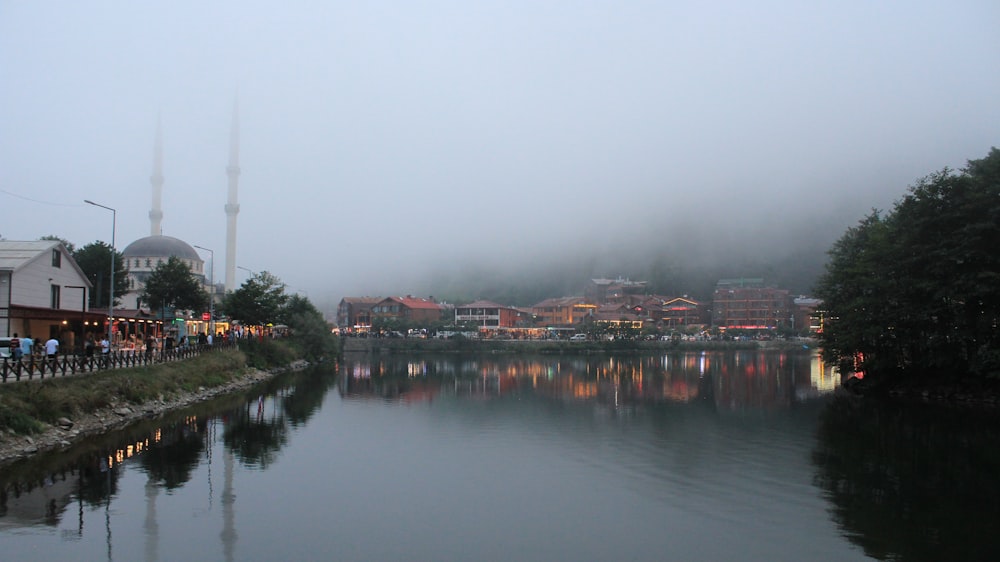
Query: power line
(51, 203)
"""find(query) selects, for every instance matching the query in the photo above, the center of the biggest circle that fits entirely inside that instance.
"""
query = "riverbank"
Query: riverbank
(48, 415)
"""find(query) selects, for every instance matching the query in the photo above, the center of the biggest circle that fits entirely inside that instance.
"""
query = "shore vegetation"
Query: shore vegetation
(914, 294)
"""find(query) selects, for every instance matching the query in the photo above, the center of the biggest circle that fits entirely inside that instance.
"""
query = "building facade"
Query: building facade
(487, 314)
(44, 293)
(354, 314)
(562, 311)
(748, 304)
(407, 309)
(144, 255)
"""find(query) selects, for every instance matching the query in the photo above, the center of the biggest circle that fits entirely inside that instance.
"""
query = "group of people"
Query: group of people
(28, 347)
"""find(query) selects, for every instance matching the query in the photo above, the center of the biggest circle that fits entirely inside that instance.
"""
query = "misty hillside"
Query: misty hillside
(689, 263)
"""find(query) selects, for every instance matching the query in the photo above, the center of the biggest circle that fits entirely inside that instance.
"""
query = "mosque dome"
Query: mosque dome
(160, 247)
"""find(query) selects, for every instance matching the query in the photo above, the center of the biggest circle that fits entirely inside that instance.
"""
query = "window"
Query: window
(56, 258)
(54, 296)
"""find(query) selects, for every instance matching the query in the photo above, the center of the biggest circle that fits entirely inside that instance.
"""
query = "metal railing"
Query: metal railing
(40, 366)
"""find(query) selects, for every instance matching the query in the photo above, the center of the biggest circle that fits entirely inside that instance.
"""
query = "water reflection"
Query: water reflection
(913, 482)
(168, 451)
(708, 444)
(732, 381)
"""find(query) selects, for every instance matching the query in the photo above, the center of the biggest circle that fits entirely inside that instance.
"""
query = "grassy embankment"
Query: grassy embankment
(25, 407)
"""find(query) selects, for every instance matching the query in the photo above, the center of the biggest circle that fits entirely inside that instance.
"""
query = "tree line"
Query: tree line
(915, 291)
(260, 300)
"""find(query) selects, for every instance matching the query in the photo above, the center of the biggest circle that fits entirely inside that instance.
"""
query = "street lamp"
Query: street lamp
(252, 274)
(111, 293)
(211, 294)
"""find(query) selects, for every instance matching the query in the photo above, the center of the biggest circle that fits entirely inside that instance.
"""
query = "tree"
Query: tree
(172, 285)
(258, 301)
(308, 325)
(918, 290)
(53, 238)
(95, 261)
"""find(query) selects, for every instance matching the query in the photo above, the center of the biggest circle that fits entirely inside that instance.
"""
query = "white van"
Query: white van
(578, 337)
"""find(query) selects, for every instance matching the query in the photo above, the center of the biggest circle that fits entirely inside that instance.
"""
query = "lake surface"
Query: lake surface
(693, 456)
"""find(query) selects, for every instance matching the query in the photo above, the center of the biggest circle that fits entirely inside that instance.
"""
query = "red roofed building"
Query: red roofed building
(409, 309)
(355, 313)
(563, 311)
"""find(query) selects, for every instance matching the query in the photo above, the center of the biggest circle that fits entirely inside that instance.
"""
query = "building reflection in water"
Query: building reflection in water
(730, 380)
(41, 491)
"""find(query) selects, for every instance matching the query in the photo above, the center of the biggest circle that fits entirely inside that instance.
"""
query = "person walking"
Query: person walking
(52, 347)
(15, 348)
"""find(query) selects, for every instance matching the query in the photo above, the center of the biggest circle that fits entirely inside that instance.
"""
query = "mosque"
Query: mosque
(143, 255)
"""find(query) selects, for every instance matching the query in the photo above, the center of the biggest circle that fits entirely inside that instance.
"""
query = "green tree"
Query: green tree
(53, 238)
(259, 300)
(309, 327)
(918, 290)
(95, 261)
(172, 285)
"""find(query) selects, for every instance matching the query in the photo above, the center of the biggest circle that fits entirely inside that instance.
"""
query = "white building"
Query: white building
(145, 254)
(43, 293)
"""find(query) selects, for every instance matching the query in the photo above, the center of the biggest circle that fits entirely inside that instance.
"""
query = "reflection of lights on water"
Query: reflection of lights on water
(416, 369)
(136, 448)
(821, 375)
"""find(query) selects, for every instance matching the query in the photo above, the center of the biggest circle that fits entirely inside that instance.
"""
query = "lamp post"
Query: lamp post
(111, 291)
(252, 274)
(211, 294)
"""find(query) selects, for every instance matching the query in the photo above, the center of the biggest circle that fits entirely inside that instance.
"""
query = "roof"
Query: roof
(741, 282)
(483, 304)
(415, 303)
(15, 254)
(361, 300)
(561, 302)
(160, 247)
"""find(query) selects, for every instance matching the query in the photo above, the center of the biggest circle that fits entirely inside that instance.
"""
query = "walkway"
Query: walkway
(37, 368)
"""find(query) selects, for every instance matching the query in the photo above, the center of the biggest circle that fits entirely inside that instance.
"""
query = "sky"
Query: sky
(382, 140)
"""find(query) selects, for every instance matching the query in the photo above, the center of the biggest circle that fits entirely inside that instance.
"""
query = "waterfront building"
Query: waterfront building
(44, 293)
(490, 315)
(354, 314)
(750, 304)
(408, 309)
(562, 311)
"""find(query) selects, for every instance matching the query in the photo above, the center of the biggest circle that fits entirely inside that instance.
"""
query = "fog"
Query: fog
(388, 147)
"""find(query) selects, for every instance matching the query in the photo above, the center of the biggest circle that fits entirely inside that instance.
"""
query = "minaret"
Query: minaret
(156, 180)
(232, 206)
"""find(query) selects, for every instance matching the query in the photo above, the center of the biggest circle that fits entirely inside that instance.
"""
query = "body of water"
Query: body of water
(691, 456)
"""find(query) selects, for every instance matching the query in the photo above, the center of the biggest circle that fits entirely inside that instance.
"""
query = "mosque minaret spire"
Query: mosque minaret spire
(232, 203)
(156, 180)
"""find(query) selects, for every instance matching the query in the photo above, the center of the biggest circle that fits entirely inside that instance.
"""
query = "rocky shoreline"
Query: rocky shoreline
(66, 432)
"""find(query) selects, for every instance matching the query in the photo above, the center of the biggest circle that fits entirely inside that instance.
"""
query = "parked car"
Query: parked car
(578, 337)
(5, 347)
